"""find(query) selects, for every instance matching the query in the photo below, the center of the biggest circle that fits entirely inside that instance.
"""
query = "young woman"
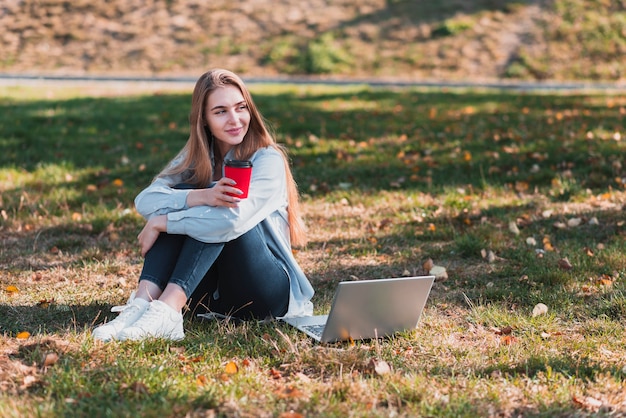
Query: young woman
(205, 247)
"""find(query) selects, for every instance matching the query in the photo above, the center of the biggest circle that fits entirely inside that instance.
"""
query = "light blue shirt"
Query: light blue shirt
(266, 205)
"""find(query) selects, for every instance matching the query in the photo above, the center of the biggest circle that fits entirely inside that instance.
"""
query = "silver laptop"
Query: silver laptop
(367, 309)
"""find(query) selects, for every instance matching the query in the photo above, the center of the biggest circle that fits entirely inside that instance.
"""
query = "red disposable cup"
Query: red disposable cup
(240, 171)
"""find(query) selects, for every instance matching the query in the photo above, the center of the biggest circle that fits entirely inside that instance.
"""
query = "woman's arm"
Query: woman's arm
(268, 193)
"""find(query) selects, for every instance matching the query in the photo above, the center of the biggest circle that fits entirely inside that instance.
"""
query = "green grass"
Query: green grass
(389, 179)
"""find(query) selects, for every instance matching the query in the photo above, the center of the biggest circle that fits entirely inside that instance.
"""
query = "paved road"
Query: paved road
(8, 78)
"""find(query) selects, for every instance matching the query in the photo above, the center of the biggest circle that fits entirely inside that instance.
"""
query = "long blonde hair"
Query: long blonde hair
(195, 163)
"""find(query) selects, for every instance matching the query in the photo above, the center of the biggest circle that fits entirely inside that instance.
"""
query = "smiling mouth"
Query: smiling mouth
(234, 131)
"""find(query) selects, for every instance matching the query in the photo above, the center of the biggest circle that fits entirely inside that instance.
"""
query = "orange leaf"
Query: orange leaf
(12, 289)
(201, 380)
(508, 339)
(231, 368)
(118, 182)
(291, 414)
(289, 392)
(23, 335)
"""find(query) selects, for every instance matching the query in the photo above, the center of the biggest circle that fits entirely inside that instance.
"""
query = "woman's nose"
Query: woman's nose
(232, 117)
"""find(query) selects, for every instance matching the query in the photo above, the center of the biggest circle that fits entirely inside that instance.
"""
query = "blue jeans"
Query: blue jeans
(250, 281)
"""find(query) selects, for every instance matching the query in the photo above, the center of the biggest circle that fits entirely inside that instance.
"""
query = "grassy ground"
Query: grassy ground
(519, 196)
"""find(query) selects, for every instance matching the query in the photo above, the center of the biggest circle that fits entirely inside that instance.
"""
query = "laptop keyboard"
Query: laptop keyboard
(315, 329)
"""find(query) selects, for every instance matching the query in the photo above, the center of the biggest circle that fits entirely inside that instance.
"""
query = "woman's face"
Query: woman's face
(227, 116)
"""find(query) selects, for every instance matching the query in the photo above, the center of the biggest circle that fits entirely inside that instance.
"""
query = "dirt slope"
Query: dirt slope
(408, 39)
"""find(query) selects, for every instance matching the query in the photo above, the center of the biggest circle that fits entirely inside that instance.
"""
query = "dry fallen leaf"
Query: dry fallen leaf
(11, 289)
(201, 380)
(439, 272)
(547, 244)
(291, 414)
(564, 264)
(289, 392)
(428, 264)
(605, 280)
(513, 228)
(231, 367)
(22, 335)
(540, 309)
(380, 367)
(587, 402)
(45, 303)
(508, 339)
(574, 222)
(50, 359)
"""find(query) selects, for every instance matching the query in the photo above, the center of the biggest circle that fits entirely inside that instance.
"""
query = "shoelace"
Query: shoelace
(150, 316)
(121, 308)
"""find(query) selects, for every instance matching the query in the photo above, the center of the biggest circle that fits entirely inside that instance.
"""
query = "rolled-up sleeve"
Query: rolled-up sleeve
(160, 198)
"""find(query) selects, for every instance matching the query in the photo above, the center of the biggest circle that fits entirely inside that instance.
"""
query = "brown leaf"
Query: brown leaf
(50, 359)
(45, 303)
(587, 402)
(564, 264)
(506, 330)
(289, 392)
(508, 339)
(428, 264)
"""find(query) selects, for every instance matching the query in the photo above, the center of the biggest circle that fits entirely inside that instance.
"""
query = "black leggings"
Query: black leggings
(240, 278)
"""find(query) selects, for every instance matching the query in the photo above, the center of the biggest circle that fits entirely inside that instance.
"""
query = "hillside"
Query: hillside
(407, 39)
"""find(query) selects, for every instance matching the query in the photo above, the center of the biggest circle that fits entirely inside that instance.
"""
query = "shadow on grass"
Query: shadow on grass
(547, 366)
(368, 137)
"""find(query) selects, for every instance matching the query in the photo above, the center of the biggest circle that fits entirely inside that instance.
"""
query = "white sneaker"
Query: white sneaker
(158, 321)
(129, 313)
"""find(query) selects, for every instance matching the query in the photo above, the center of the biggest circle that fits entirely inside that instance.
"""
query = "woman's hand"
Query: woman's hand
(216, 195)
(149, 234)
